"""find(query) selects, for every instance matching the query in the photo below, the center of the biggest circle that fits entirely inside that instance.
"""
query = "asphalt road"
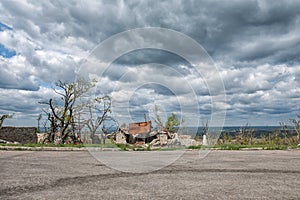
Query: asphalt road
(219, 175)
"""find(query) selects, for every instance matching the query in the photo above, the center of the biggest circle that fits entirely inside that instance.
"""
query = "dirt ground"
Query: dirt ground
(220, 175)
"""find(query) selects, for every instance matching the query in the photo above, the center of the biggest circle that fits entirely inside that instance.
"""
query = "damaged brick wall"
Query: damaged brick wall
(19, 134)
(140, 127)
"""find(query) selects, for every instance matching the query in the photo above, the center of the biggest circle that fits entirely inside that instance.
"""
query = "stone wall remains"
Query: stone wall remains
(22, 135)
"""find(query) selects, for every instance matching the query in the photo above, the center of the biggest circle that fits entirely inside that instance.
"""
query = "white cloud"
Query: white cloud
(255, 45)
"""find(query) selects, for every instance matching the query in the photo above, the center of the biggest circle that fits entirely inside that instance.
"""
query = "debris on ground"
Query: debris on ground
(140, 134)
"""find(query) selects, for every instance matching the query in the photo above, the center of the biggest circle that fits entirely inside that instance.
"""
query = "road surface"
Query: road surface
(220, 175)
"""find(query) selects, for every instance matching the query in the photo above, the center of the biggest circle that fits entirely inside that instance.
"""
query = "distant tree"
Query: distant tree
(245, 135)
(284, 130)
(3, 117)
(296, 123)
(241, 136)
(172, 123)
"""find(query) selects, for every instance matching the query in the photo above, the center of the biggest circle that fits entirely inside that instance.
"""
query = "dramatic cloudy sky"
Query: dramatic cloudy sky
(255, 47)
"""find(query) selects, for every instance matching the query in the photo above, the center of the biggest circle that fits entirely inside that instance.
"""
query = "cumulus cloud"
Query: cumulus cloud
(254, 44)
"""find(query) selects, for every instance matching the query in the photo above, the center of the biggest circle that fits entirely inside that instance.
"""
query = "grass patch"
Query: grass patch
(239, 147)
(128, 147)
(123, 147)
(199, 147)
(232, 147)
(279, 147)
(110, 145)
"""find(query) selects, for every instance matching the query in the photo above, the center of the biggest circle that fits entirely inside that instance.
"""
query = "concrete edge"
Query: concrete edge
(22, 148)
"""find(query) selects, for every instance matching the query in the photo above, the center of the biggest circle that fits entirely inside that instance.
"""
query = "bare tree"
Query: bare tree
(78, 123)
(62, 112)
(296, 123)
(98, 112)
(45, 122)
(245, 135)
(39, 120)
(3, 117)
(241, 136)
(157, 118)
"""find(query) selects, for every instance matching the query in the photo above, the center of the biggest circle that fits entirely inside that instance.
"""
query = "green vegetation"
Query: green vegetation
(296, 123)
(239, 147)
(129, 147)
(172, 123)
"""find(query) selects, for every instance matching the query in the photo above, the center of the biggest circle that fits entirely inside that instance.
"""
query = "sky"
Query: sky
(248, 68)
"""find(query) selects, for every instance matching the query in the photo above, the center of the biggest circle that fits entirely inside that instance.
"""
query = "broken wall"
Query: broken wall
(22, 135)
(140, 127)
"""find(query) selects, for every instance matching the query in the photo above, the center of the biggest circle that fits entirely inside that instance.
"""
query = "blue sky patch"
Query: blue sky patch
(4, 27)
(5, 52)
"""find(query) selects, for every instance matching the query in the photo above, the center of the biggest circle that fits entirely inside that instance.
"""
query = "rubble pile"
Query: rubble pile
(157, 138)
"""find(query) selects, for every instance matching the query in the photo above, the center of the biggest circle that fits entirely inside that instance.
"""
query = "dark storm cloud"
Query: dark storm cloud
(159, 89)
(144, 56)
(246, 30)
(233, 30)
(139, 58)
